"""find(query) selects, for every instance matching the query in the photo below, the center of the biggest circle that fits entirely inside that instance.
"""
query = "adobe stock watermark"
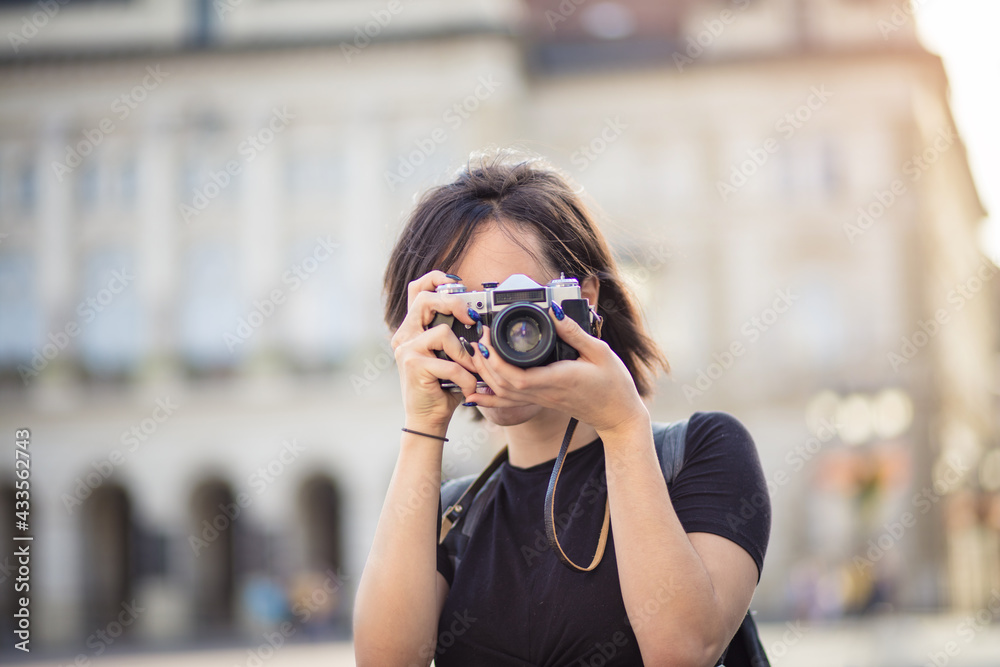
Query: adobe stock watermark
(248, 150)
(363, 35)
(713, 29)
(963, 292)
(592, 492)
(454, 627)
(796, 459)
(131, 440)
(102, 639)
(121, 108)
(453, 118)
(914, 168)
(660, 598)
(899, 17)
(752, 330)
(273, 640)
(604, 652)
(565, 9)
(292, 281)
(373, 368)
(320, 596)
(654, 258)
(87, 311)
(921, 502)
(259, 481)
(786, 126)
(967, 630)
(790, 637)
(584, 155)
(34, 23)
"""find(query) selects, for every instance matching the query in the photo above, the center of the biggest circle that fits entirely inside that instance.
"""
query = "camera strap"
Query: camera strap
(550, 511)
(454, 512)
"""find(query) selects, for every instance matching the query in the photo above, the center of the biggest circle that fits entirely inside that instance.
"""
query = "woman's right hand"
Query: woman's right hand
(428, 406)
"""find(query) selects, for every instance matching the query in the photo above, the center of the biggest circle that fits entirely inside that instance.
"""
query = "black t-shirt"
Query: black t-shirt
(513, 603)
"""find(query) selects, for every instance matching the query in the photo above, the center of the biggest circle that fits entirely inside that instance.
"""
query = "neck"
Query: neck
(538, 439)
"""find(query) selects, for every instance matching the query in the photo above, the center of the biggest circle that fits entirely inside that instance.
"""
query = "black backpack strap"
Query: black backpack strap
(669, 440)
(456, 507)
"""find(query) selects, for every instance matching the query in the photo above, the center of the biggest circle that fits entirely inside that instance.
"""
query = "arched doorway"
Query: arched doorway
(319, 505)
(107, 555)
(214, 521)
(318, 588)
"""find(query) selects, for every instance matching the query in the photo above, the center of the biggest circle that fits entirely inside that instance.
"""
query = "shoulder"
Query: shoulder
(721, 488)
(714, 426)
(717, 443)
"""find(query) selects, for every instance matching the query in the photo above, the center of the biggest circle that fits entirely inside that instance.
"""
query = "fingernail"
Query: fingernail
(557, 311)
(479, 329)
(468, 346)
(469, 404)
(452, 276)
(475, 316)
(483, 351)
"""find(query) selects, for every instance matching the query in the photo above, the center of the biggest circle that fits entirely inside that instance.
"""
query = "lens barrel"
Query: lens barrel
(523, 335)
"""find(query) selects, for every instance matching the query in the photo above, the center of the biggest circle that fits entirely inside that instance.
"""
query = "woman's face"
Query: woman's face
(493, 257)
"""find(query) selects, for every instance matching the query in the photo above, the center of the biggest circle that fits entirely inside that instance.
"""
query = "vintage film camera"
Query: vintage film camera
(516, 311)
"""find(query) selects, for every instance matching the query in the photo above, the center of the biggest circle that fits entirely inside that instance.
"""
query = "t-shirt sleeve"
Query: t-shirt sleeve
(445, 565)
(721, 487)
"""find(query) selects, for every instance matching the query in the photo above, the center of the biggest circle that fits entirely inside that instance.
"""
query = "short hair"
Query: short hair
(521, 193)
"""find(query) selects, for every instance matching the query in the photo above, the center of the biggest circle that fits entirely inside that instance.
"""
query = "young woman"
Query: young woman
(681, 563)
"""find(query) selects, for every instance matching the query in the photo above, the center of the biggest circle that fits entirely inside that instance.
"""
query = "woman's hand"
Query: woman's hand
(427, 406)
(596, 388)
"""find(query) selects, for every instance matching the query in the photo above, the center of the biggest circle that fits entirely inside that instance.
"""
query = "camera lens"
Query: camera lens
(524, 335)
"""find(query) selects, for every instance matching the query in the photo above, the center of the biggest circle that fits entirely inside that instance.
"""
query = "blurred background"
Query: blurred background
(198, 198)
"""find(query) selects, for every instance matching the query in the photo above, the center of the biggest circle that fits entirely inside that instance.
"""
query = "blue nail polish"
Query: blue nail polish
(557, 311)
(475, 316)
(453, 276)
(484, 351)
(471, 351)
(469, 404)
(479, 329)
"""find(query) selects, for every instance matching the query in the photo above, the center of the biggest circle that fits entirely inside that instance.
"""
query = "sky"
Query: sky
(964, 34)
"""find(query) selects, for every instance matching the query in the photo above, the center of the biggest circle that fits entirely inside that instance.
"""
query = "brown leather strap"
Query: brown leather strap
(453, 514)
(457, 510)
(550, 519)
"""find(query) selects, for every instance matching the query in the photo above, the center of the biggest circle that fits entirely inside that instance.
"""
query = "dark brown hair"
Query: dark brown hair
(521, 194)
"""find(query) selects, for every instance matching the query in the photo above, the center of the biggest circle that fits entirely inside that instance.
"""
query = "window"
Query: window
(209, 307)
(20, 314)
(108, 314)
(317, 322)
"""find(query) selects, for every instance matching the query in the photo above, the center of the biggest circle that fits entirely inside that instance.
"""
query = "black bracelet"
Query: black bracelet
(426, 435)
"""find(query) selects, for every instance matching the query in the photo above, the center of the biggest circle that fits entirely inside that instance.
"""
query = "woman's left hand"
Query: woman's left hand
(596, 388)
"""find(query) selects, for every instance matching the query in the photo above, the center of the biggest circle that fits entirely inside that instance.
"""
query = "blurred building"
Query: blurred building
(196, 204)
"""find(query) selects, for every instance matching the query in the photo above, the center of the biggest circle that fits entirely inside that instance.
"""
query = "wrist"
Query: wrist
(637, 423)
(434, 428)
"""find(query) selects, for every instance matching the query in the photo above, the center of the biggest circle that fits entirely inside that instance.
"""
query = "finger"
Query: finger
(503, 378)
(442, 369)
(429, 304)
(494, 401)
(444, 339)
(427, 283)
(421, 313)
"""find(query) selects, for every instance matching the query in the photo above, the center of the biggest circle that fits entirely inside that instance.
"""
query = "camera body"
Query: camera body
(516, 311)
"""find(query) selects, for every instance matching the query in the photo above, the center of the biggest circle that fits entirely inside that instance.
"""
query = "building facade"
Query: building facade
(197, 200)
